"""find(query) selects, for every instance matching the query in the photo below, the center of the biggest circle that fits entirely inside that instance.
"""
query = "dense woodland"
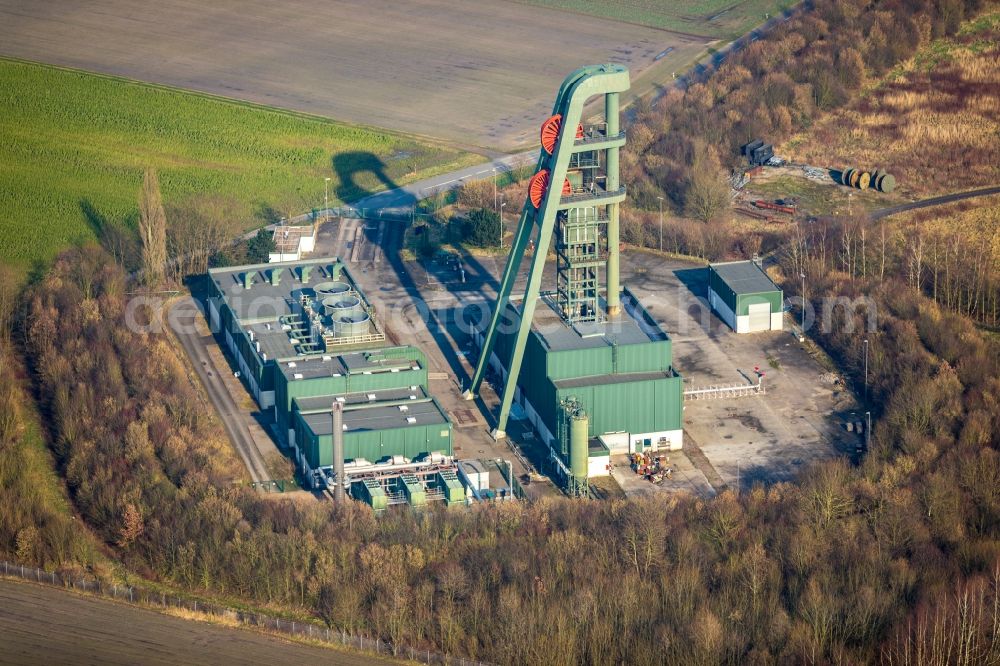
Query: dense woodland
(896, 559)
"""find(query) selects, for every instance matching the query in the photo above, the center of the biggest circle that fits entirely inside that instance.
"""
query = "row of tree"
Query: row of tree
(36, 525)
(172, 241)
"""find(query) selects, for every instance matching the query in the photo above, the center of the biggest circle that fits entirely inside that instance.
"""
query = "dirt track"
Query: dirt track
(44, 625)
(476, 72)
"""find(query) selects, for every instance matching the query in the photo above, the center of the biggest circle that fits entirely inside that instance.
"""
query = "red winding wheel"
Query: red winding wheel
(550, 132)
(539, 185)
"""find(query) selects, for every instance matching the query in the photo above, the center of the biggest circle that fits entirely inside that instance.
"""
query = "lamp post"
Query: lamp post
(494, 188)
(661, 223)
(866, 371)
(868, 431)
(803, 276)
(502, 204)
(326, 199)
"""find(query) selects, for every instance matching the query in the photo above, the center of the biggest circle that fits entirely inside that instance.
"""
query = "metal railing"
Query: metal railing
(724, 391)
(597, 194)
(331, 341)
(292, 628)
(599, 137)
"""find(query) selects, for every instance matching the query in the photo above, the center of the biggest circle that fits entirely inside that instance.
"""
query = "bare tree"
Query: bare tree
(707, 191)
(198, 228)
(152, 229)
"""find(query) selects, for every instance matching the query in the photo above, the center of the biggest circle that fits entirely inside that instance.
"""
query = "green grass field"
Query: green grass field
(73, 140)
(724, 19)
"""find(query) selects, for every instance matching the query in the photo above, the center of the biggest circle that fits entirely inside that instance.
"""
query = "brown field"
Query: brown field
(476, 73)
(45, 625)
(932, 121)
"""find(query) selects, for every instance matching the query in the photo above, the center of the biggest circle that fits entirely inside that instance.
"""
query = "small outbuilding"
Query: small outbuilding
(744, 297)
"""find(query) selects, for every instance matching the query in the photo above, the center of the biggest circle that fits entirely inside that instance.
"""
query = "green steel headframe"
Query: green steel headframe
(591, 206)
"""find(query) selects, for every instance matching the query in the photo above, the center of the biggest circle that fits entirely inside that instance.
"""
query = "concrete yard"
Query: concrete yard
(685, 478)
(765, 438)
(401, 66)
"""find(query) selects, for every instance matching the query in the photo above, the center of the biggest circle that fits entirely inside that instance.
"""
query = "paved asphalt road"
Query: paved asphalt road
(934, 201)
(43, 625)
(403, 198)
(407, 195)
(183, 316)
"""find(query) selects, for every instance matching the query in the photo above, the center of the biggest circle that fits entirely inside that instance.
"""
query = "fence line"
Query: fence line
(724, 391)
(322, 633)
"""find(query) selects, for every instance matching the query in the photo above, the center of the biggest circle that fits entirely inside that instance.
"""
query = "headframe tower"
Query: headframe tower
(581, 212)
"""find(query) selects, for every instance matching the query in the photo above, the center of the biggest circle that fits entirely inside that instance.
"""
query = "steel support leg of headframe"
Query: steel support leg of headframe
(614, 233)
(578, 87)
(513, 266)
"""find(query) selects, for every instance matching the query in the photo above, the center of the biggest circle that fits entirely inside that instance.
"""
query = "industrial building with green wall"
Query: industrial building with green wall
(744, 297)
(620, 373)
(585, 363)
(303, 336)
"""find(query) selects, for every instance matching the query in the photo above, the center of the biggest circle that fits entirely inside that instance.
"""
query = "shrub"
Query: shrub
(482, 228)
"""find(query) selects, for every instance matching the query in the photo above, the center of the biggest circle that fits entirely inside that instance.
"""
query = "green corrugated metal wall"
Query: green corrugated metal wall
(373, 445)
(570, 364)
(649, 357)
(533, 382)
(286, 390)
(634, 406)
(578, 363)
(641, 406)
(608, 360)
(719, 286)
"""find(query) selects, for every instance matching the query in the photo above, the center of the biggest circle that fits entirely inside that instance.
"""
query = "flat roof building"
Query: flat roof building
(291, 242)
(303, 336)
(377, 425)
(744, 297)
